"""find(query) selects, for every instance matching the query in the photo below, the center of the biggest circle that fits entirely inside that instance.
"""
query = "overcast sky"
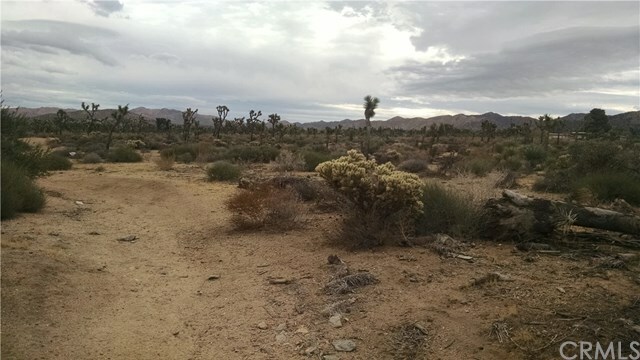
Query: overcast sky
(317, 60)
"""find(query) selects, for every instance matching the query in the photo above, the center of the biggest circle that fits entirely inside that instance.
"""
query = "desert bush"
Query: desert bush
(596, 156)
(223, 171)
(264, 207)
(511, 163)
(186, 158)
(123, 154)
(54, 161)
(610, 186)
(413, 165)
(18, 192)
(165, 163)
(447, 211)
(534, 155)
(476, 166)
(92, 158)
(391, 197)
(251, 154)
(556, 181)
(289, 161)
(313, 158)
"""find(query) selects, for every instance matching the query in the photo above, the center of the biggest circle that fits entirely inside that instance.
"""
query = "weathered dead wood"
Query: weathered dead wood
(522, 218)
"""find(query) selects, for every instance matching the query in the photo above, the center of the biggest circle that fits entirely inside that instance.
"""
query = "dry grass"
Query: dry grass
(265, 207)
(165, 163)
(408, 342)
(349, 283)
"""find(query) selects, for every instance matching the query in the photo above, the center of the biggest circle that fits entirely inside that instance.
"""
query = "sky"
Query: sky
(312, 61)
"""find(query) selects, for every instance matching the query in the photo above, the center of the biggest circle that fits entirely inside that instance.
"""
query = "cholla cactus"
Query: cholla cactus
(373, 188)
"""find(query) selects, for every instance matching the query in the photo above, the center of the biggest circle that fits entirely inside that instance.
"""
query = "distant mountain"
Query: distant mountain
(575, 121)
(461, 121)
(149, 114)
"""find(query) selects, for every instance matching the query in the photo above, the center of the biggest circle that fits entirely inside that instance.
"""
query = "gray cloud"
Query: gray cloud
(104, 8)
(565, 60)
(49, 37)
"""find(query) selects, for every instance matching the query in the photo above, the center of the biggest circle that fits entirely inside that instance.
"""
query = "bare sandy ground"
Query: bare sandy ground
(189, 287)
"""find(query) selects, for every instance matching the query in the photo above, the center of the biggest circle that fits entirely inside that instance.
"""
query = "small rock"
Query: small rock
(344, 345)
(281, 327)
(336, 321)
(129, 238)
(302, 330)
(310, 350)
(263, 325)
(279, 281)
(636, 328)
(213, 277)
(94, 233)
(54, 234)
(78, 202)
(175, 333)
(280, 338)
(330, 357)
(559, 288)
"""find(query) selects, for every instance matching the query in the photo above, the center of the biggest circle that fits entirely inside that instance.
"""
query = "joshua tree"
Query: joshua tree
(188, 118)
(219, 121)
(238, 125)
(61, 121)
(252, 122)
(370, 105)
(274, 119)
(117, 117)
(91, 115)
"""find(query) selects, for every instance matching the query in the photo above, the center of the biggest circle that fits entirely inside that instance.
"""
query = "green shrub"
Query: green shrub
(534, 155)
(314, 158)
(92, 158)
(610, 186)
(18, 191)
(413, 165)
(477, 166)
(596, 156)
(556, 181)
(223, 171)
(446, 211)
(512, 164)
(252, 154)
(54, 161)
(123, 154)
(185, 158)
(387, 197)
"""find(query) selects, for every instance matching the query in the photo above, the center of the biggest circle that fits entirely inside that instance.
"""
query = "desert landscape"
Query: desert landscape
(152, 258)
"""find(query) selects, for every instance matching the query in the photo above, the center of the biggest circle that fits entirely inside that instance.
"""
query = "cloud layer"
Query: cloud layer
(315, 61)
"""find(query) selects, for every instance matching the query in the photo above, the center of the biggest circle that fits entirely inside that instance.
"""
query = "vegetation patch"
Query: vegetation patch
(223, 171)
(124, 154)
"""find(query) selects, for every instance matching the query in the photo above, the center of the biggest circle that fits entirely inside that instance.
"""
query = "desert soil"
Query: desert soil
(189, 287)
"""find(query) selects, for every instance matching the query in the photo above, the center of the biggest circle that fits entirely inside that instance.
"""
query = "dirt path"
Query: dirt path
(71, 290)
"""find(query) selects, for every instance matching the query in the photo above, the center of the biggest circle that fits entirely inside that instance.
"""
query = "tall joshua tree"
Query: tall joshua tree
(117, 117)
(218, 122)
(370, 105)
(274, 119)
(91, 115)
(188, 120)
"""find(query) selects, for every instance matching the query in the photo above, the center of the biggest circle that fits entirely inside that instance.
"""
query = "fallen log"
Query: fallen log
(526, 218)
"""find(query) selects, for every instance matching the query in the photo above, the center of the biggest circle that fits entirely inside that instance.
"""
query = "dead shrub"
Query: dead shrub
(288, 161)
(265, 207)
(165, 163)
(347, 284)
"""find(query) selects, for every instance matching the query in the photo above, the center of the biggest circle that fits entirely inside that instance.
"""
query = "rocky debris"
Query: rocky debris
(263, 325)
(344, 345)
(338, 307)
(280, 338)
(347, 284)
(330, 357)
(492, 277)
(302, 330)
(94, 233)
(281, 327)
(336, 320)
(128, 238)
(334, 260)
(213, 277)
